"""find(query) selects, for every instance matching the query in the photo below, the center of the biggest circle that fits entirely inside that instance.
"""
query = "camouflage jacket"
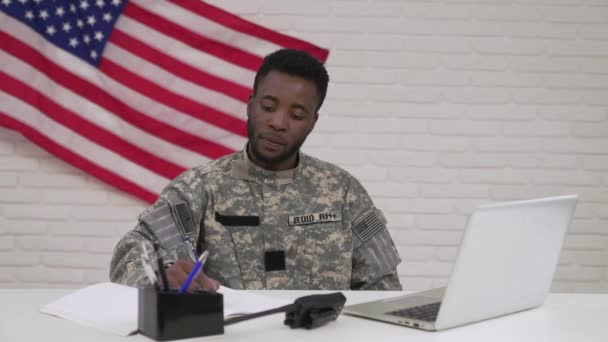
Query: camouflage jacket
(313, 227)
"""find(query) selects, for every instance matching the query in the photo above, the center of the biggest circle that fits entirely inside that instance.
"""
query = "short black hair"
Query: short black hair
(295, 63)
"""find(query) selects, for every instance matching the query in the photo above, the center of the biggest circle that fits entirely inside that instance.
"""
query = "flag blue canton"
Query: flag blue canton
(79, 27)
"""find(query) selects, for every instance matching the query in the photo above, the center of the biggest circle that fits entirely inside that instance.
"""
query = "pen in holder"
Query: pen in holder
(169, 315)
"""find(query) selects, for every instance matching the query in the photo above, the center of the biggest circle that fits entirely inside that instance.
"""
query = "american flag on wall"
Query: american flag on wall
(131, 92)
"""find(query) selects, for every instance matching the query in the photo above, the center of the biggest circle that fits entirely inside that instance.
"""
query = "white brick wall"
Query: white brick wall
(437, 106)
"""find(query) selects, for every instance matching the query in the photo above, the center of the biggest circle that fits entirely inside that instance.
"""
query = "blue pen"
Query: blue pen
(194, 272)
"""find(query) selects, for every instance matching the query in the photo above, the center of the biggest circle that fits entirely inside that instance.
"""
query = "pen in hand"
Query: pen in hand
(197, 267)
(161, 268)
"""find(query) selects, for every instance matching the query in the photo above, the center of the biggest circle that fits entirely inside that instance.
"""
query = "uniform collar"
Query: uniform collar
(244, 168)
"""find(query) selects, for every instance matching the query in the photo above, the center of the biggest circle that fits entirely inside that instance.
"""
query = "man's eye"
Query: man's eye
(267, 108)
(297, 116)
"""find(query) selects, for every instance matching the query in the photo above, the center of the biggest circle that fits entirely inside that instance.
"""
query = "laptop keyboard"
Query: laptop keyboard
(427, 312)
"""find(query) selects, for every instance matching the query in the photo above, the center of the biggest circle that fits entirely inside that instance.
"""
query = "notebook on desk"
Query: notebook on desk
(506, 263)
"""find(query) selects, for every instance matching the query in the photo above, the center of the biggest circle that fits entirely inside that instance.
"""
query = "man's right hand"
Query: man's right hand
(178, 273)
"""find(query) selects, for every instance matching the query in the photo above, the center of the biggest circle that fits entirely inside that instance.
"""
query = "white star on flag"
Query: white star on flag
(91, 20)
(50, 30)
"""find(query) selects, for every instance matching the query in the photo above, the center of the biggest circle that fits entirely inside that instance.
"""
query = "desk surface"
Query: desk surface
(563, 317)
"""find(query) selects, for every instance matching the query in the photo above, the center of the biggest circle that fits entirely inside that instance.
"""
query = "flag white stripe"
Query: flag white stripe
(78, 144)
(194, 92)
(137, 101)
(172, 117)
(97, 115)
(185, 53)
(209, 28)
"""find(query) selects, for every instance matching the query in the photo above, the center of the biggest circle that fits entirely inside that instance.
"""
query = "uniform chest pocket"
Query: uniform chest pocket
(323, 234)
(244, 230)
(327, 239)
(247, 244)
(329, 247)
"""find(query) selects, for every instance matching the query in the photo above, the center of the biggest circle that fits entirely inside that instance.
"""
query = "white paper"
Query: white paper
(106, 306)
(113, 308)
(239, 302)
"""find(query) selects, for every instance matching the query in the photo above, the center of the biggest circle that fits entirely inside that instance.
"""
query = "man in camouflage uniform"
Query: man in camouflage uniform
(270, 216)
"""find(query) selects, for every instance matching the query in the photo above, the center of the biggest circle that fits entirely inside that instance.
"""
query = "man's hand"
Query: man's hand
(178, 273)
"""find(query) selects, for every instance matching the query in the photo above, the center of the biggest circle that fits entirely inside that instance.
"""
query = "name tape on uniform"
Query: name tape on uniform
(299, 220)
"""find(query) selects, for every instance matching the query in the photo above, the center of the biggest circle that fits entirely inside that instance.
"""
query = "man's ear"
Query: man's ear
(249, 104)
(314, 121)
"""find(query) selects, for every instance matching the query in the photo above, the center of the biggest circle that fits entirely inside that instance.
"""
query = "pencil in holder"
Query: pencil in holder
(169, 315)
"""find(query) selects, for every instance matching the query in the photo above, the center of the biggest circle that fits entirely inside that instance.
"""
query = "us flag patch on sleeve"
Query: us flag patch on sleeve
(369, 226)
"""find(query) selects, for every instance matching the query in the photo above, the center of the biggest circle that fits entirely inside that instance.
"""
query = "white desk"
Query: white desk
(563, 317)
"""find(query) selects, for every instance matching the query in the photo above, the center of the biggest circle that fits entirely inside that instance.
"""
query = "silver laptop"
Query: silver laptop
(506, 263)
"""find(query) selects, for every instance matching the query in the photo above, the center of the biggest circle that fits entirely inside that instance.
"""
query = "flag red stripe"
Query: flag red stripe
(212, 47)
(179, 68)
(171, 99)
(94, 133)
(238, 24)
(76, 160)
(97, 95)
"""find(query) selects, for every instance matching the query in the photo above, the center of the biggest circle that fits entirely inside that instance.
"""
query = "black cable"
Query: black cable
(306, 312)
(237, 319)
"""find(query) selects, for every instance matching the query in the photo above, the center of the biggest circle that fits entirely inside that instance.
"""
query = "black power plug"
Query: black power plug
(306, 312)
(314, 311)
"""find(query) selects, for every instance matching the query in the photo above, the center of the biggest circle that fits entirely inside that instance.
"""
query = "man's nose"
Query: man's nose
(278, 121)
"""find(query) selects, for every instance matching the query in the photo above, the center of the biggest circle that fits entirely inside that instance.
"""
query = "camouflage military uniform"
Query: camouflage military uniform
(316, 220)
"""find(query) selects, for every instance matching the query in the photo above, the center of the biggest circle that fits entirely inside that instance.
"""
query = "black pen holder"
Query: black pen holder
(169, 315)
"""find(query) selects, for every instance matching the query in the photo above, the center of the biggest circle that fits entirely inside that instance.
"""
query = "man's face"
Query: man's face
(279, 118)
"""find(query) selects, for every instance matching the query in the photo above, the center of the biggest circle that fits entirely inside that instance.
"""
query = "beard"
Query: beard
(269, 161)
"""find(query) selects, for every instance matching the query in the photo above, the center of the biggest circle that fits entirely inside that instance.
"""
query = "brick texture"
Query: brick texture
(436, 107)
